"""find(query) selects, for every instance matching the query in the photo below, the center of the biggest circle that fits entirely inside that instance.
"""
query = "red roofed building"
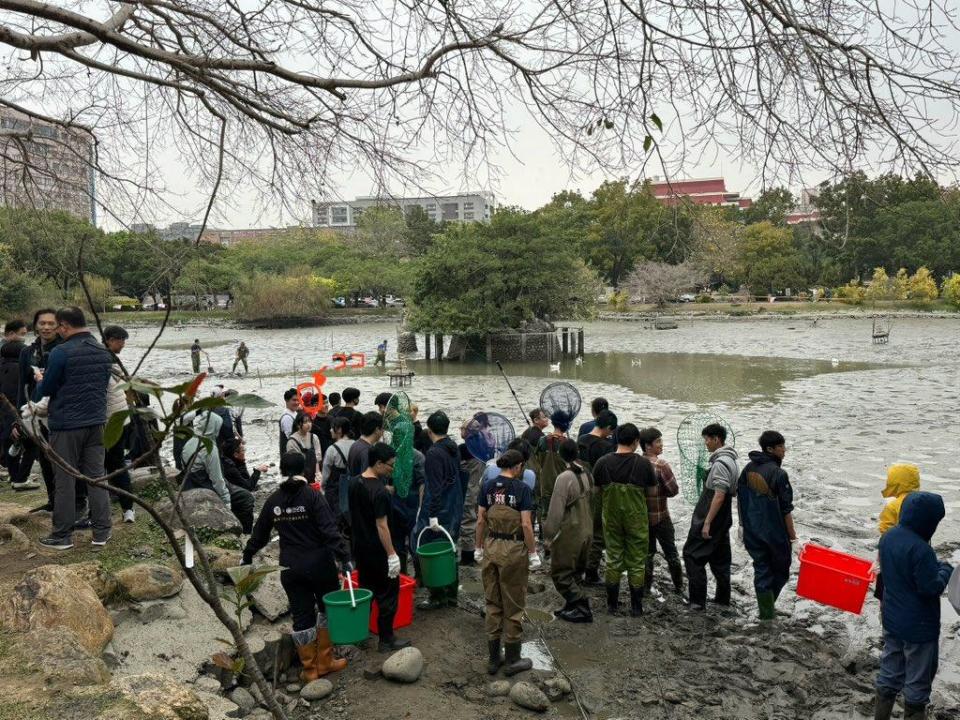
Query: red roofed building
(707, 191)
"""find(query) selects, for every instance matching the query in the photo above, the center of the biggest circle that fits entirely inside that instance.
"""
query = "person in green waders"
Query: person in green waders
(624, 476)
(568, 529)
(507, 551)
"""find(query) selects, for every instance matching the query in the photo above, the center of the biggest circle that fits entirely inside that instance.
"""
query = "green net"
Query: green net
(399, 423)
(694, 458)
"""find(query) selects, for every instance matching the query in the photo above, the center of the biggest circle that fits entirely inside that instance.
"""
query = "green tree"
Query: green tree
(772, 206)
(262, 298)
(100, 289)
(901, 285)
(951, 290)
(382, 230)
(625, 219)
(769, 261)
(420, 231)
(880, 286)
(481, 278)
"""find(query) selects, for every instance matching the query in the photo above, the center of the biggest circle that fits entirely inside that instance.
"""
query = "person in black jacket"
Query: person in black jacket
(9, 379)
(233, 460)
(310, 547)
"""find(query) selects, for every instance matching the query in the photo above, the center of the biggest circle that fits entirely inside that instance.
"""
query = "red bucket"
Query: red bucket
(404, 614)
(834, 578)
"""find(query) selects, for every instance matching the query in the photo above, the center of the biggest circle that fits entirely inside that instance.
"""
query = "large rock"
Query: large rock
(221, 560)
(150, 581)
(62, 659)
(103, 583)
(270, 599)
(13, 514)
(143, 477)
(404, 665)
(529, 696)
(13, 538)
(242, 698)
(55, 597)
(204, 511)
(157, 697)
(316, 690)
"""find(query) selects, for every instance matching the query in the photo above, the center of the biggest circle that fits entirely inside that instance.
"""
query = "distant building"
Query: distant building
(706, 191)
(212, 236)
(466, 207)
(174, 231)
(45, 166)
(805, 211)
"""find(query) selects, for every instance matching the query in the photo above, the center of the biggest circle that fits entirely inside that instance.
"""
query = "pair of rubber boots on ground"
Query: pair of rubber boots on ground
(885, 705)
(510, 660)
(317, 657)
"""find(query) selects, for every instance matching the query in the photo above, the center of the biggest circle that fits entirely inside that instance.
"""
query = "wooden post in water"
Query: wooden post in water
(489, 348)
(426, 346)
(573, 344)
(523, 347)
(439, 339)
(565, 333)
(580, 342)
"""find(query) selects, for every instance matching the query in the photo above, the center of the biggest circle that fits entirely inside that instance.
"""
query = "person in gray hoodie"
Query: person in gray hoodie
(708, 542)
(202, 469)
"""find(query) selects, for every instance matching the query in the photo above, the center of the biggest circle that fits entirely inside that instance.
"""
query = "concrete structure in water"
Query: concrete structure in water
(47, 166)
(465, 207)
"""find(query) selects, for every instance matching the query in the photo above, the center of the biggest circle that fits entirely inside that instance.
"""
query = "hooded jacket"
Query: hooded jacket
(902, 479)
(723, 471)
(913, 578)
(442, 469)
(206, 463)
(764, 499)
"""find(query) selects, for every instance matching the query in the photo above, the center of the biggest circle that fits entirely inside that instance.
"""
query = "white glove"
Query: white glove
(435, 524)
(534, 561)
(393, 566)
(478, 555)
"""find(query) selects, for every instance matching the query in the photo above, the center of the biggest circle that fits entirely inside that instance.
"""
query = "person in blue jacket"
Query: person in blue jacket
(913, 581)
(765, 502)
(442, 501)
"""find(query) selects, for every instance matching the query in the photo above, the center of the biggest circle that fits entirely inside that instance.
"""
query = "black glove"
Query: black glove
(348, 567)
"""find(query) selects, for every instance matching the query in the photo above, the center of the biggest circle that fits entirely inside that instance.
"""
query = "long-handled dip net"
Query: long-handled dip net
(561, 396)
(487, 435)
(694, 458)
(399, 423)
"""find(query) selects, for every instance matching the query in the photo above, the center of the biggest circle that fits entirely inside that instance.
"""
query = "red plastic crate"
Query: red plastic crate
(834, 578)
(404, 616)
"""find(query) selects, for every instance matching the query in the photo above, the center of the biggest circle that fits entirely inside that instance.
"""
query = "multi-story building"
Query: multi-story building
(466, 207)
(806, 211)
(46, 166)
(174, 231)
(705, 191)
(213, 236)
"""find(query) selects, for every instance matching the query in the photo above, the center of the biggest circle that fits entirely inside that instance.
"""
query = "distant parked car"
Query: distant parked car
(340, 302)
(687, 297)
(392, 301)
(369, 302)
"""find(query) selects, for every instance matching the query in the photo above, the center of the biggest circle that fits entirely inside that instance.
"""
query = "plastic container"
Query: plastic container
(348, 625)
(438, 561)
(834, 578)
(404, 616)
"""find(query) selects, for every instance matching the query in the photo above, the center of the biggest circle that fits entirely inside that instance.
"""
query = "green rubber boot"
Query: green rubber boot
(766, 601)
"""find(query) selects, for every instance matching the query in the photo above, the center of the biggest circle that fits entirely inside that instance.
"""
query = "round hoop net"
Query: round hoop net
(561, 396)
(487, 435)
(399, 423)
(694, 458)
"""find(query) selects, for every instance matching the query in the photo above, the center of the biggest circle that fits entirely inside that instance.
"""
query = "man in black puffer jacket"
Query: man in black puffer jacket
(9, 379)
(76, 380)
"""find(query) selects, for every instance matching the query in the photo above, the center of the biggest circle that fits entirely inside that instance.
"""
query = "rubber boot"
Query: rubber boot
(592, 577)
(765, 603)
(466, 558)
(884, 706)
(514, 663)
(613, 599)
(495, 660)
(308, 658)
(325, 662)
(636, 601)
(585, 612)
(722, 595)
(648, 577)
(914, 712)
(676, 574)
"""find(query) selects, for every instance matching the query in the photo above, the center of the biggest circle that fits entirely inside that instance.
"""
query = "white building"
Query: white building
(467, 207)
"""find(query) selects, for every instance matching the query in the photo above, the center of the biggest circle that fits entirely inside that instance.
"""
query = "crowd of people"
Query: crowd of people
(349, 501)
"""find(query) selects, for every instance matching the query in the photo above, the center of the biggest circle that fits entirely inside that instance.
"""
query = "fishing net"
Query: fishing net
(560, 397)
(399, 423)
(694, 457)
(487, 435)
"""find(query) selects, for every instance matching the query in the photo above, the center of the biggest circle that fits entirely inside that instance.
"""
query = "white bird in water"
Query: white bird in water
(835, 361)
(636, 362)
(554, 367)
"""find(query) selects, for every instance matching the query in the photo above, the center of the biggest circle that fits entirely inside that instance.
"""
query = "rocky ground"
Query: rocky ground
(119, 634)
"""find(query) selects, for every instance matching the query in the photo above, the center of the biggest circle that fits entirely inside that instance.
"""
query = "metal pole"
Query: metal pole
(513, 392)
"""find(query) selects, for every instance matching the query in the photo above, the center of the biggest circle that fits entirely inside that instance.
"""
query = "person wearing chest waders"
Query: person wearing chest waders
(307, 444)
(569, 530)
(548, 462)
(310, 548)
(508, 552)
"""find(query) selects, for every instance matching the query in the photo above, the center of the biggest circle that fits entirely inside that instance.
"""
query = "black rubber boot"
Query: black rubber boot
(496, 660)
(676, 574)
(585, 612)
(914, 712)
(613, 599)
(466, 557)
(648, 577)
(722, 596)
(592, 577)
(636, 601)
(515, 664)
(884, 706)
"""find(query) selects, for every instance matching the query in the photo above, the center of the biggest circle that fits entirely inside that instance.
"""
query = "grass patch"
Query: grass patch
(142, 541)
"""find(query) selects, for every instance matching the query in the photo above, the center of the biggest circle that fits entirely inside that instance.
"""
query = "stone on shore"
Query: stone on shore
(56, 598)
(404, 665)
(242, 698)
(316, 690)
(103, 583)
(204, 510)
(13, 539)
(158, 697)
(529, 696)
(499, 688)
(62, 659)
(150, 581)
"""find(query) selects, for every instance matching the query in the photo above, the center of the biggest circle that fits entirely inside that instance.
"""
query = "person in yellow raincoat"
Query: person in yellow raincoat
(902, 479)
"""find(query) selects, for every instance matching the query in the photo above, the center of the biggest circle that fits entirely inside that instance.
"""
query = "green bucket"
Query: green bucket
(438, 561)
(348, 625)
